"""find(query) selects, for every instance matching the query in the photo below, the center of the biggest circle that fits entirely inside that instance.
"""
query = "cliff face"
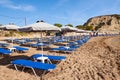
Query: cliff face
(106, 23)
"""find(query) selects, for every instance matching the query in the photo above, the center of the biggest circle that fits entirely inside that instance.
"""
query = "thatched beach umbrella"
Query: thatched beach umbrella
(66, 29)
(1, 27)
(39, 27)
(10, 27)
(69, 29)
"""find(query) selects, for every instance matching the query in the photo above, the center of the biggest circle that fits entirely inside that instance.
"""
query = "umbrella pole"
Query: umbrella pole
(12, 39)
(41, 42)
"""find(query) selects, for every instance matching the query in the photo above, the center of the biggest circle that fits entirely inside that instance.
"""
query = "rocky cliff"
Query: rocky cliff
(105, 23)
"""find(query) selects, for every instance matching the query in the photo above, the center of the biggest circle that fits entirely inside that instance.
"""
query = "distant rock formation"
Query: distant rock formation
(105, 23)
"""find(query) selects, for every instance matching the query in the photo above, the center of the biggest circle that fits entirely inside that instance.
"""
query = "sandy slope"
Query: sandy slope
(98, 59)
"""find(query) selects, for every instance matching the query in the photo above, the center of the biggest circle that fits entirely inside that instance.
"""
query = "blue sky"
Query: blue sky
(75, 12)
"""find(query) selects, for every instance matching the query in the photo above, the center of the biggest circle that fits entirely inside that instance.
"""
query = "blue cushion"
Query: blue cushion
(5, 51)
(32, 64)
(51, 57)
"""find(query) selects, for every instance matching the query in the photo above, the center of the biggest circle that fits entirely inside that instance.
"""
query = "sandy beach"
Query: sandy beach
(98, 59)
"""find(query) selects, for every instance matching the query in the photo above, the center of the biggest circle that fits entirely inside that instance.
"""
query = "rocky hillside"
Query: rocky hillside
(105, 23)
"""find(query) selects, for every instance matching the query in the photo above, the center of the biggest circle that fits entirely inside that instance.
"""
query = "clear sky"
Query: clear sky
(75, 12)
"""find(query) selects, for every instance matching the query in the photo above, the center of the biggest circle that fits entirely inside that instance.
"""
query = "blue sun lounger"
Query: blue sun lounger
(51, 57)
(5, 51)
(39, 44)
(33, 65)
(4, 44)
(64, 49)
(80, 42)
(21, 49)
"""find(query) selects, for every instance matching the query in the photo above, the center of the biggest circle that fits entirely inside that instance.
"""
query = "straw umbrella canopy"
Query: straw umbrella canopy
(39, 27)
(10, 27)
(1, 27)
(69, 29)
(66, 29)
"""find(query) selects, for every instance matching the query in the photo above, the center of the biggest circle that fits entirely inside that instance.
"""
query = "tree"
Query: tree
(0, 24)
(85, 27)
(69, 25)
(88, 27)
(58, 24)
(80, 27)
(102, 24)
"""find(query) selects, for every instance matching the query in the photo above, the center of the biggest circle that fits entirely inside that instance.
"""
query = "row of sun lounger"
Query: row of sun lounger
(42, 65)
(46, 66)
(51, 39)
(33, 64)
(72, 46)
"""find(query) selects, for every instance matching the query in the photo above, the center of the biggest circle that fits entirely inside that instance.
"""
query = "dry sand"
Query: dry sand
(98, 59)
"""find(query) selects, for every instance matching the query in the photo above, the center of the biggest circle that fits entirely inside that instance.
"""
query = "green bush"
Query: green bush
(7, 35)
(85, 27)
